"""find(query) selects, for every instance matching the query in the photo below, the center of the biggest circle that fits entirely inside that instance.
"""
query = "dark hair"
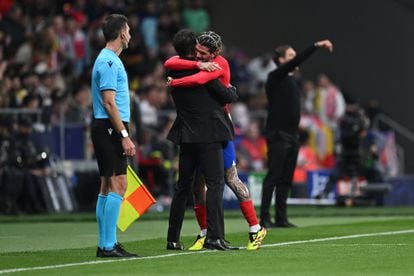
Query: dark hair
(28, 99)
(280, 51)
(113, 25)
(25, 121)
(184, 42)
(211, 40)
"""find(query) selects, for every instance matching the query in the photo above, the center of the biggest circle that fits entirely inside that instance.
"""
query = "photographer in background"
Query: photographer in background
(21, 163)
(358, 153)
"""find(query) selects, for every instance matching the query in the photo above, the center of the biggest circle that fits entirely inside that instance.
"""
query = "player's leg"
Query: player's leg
(112, 168)
(256, 232)
(200, 211)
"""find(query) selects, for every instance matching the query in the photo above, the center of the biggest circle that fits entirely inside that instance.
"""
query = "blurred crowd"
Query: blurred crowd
(46, 51)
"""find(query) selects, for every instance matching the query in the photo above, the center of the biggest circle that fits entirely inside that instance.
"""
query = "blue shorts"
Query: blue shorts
(229, 155)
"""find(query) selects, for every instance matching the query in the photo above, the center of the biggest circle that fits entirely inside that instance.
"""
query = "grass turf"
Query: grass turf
(70, 239)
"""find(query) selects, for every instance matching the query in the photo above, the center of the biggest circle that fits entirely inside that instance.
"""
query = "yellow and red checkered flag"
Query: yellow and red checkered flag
(137, 200)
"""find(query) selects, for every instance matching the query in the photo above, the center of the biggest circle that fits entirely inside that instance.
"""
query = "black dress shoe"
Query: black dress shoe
(117, 251)
(284, 224)
(229, 247)
(217, 244)
(267, 224)
(175, 246)
(99, 252)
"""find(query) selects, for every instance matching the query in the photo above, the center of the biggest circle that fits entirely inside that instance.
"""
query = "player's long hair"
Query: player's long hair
(211, 40)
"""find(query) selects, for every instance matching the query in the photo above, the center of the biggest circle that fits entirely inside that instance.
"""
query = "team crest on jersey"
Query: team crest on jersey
(110, 63)
(110, 131)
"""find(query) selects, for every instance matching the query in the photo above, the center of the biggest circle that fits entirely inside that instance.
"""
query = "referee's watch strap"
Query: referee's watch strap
(124, 133)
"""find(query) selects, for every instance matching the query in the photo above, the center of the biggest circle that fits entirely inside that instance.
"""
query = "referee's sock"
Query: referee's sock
(112, 207)
(100, 207)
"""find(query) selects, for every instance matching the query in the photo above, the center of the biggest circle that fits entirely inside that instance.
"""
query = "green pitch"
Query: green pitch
(328, 241)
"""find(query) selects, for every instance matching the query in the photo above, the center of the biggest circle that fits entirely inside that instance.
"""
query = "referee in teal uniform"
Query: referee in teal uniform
(111, 111)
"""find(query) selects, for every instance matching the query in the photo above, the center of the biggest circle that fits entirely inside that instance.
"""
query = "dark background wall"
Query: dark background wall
(373, 45)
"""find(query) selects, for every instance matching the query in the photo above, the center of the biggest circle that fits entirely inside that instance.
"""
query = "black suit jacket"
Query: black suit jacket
(200, 112)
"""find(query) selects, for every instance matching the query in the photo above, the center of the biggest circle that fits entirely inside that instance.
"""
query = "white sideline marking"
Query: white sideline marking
(340, 238)
(13, 270)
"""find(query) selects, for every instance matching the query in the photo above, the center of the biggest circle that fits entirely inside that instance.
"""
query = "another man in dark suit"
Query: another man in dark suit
(283, 95)
(200, 129)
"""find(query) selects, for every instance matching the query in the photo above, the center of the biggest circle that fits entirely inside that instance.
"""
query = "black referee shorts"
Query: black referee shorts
(108, 148)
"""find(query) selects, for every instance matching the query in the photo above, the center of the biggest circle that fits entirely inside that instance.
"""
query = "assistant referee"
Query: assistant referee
(111, 111)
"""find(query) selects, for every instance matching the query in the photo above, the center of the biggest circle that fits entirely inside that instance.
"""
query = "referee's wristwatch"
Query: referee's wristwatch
(124, 133)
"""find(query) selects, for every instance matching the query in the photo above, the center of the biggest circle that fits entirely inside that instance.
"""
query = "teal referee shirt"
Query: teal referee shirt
(109, 73)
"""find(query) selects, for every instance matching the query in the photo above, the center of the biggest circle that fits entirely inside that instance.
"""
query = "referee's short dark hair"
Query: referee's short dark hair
(184, 42)
(113, 25)
(280, 51)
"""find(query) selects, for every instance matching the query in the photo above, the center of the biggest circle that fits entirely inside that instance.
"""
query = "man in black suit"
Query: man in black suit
(282, 127)
(200, 129)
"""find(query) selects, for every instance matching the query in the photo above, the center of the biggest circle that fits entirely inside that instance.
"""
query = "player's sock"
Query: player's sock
(200, 211)
(100, 207)
(249, 213)
(203, 232)
(112, 207)
(255, 228)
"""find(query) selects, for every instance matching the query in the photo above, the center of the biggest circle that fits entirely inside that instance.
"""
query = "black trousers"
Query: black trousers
(283, 151)
(208, 157)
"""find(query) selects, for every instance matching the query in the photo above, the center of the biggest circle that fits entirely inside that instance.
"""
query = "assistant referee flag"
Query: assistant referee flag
(137, 200)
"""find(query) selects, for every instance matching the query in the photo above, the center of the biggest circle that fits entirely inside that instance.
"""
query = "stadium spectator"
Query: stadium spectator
(13, 30)
(80, 43)
(64, 41)
(252, 147)
(196, 17)
(308, 97)
(240, 116)
(149, 27)
(240, 75)
(136, 56)
(154, 159)
(330, 102)
(168, 23)
(259, 68)
(79, 106)
(149, 103)
(307, 159)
